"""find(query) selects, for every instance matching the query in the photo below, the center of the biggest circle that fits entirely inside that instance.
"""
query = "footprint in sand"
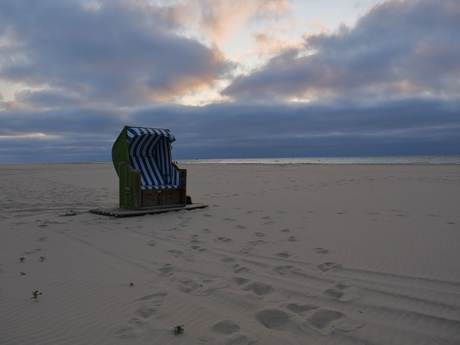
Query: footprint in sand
(188, 285)
(335, 292)
(324, 320)
(175, 253)
(259, 288)
(348, 325)
(227, 332)
(227, 260)
(194, 239)
(268, 220)
(223, 239)
(151, 243)
(321, 250)
(167, 270)
(343, 292)
(258, 242)
(248, 250)
(240, 280)
(240, 269)
(226, 327)
(283, 254)
(284, 269)
(329, 266)
(198, 248)
(277, 319)
(301, 308)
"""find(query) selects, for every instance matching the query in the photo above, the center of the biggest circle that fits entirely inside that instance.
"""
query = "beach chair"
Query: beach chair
(147, 176)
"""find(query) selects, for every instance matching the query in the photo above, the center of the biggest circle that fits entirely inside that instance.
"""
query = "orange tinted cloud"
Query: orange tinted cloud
(219, 19)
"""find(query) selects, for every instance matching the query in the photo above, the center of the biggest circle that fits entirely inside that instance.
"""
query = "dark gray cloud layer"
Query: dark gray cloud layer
(244, 131)
(388, 86)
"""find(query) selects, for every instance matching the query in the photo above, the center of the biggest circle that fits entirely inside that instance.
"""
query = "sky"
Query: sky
(230, 78)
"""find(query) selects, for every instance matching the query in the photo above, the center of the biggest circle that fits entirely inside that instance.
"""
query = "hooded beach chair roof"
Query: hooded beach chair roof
(149, 150)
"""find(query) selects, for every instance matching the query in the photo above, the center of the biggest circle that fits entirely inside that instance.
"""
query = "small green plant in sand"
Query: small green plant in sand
(35, 295)
(42, 258)
(21, 259)
(179, 329)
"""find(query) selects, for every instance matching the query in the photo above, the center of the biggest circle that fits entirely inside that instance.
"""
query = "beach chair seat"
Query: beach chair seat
(147, 176)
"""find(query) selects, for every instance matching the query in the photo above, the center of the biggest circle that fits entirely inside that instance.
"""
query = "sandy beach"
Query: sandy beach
(284, 254)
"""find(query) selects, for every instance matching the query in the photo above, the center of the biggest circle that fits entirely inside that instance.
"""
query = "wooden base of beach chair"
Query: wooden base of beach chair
(125, 212)
(161, 197)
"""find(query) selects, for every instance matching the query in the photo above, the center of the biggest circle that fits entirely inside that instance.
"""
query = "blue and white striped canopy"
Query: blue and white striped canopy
(150, 152)
(154, 132)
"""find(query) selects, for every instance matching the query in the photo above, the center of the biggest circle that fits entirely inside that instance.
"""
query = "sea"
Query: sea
(385, 160)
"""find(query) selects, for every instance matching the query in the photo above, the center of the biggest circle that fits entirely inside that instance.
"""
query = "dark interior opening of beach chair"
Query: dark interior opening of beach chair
(148, 177)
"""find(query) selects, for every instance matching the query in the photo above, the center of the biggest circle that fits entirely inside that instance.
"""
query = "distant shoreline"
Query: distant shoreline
(366, 160)
(381, 160)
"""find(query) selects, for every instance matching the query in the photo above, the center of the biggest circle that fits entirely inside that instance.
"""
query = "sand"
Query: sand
(284, 254)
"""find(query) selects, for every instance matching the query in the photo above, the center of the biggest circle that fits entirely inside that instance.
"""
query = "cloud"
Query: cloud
(115, 52)
(219, 19)
(398, 49)
(274, 40)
